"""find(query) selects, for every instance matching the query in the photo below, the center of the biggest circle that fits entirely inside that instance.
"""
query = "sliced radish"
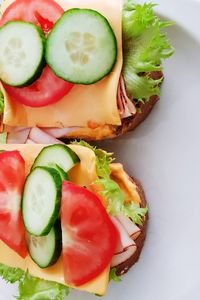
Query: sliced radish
(125, 241)
(133, 230)
(59, 132)
(18, 135)
(122, 257)
(40, 137)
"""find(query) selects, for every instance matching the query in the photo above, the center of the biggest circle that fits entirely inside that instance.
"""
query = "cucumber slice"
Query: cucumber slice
(57, 155)
(87, 49)
(21, 53)
(41, 200)
(46, 250)
(64, 176)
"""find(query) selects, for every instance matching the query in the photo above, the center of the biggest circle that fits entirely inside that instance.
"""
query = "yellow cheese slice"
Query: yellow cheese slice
(128, 187)
(84, 104)
(83, 174)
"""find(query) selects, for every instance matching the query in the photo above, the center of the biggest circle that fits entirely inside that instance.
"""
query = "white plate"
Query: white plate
(164, 153)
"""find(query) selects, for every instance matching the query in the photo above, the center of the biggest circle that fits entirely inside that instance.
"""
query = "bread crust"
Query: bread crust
(125, 266)
(131, 123)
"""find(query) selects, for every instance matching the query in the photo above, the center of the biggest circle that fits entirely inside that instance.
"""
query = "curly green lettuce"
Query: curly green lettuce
(103, 158)
(111, 191)
(116, 202)
(113, 275)
(11, 275)
(1, 103)
(32, 288)
(144, 48)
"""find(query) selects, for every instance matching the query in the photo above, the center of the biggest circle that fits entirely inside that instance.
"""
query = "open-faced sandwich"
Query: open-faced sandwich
(70, 217)
(79, 68)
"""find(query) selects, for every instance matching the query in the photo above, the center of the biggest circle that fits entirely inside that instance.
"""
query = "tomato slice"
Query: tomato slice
(89, 236)
(42, 13)
(48, 89)
(12, 177)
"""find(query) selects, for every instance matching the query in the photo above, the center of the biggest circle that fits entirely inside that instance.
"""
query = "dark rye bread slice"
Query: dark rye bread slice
(130, 123)
(125, 266)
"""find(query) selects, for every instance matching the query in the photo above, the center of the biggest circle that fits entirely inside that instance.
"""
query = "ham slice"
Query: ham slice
(133, 230)
(38, 136)
(126, 247)
(30, 142)
(125, 104)
(125, 240)
(59, 132)
(18, 135)
(122, 257)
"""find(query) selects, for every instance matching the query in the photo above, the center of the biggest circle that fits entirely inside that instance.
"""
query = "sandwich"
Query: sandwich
(70, 218)
(88, 69)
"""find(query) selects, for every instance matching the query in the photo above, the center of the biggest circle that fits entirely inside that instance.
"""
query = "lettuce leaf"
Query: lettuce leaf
(113, 275)
(32, 288)
(1, 103)
(103, 159)
(135, 212)
(11, 275)
(113, 194)
(116, 202)
(111, 190)
(144, 48)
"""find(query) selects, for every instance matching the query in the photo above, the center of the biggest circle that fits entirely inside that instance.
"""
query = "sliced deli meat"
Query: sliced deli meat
(39, 136)
(18, 135)
(59, 132)
(124, 256)
(126, 246)
(125, 240)
(132, 229)
(125, 105)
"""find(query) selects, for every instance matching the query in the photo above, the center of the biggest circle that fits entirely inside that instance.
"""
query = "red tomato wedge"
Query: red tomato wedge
(12, 177)
(49, 88)
(89, 236)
